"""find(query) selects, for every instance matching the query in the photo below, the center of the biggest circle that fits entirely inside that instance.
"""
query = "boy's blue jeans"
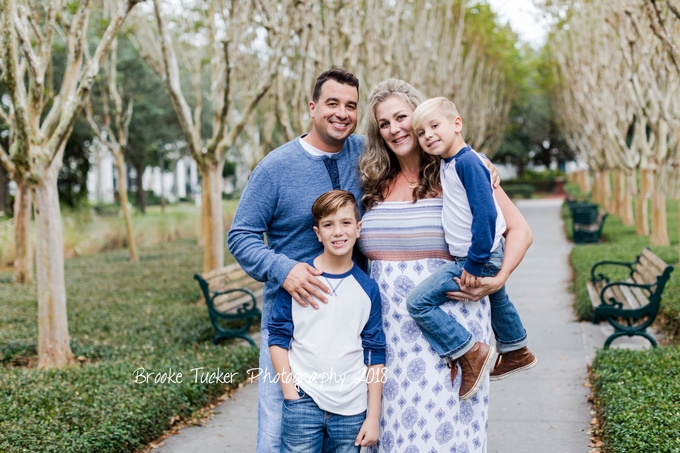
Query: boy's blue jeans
(447, 337)
(305, 428)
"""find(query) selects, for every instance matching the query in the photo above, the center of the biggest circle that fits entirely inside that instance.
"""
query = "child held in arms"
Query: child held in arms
(329, 361)
(474, 227)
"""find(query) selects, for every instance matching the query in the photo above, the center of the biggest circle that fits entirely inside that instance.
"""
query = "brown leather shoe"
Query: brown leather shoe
(512, 362)
(474, 365)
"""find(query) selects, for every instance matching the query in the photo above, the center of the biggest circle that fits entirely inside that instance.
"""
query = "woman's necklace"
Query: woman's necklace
(411, 184)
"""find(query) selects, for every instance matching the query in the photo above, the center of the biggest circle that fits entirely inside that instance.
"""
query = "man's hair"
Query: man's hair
(435, 105)
(330, 202)
(339, 75)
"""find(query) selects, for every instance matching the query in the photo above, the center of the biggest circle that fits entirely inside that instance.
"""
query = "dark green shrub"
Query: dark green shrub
(518, 190)
(638, 397)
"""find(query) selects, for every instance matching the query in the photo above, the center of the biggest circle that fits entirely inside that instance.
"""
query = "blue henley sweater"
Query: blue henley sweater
(277, 201)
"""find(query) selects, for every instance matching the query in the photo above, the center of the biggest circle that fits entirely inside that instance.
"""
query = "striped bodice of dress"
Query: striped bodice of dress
(404, 231)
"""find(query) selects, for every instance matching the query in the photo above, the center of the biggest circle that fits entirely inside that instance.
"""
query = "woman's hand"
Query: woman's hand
(495, 179)
(489, 285)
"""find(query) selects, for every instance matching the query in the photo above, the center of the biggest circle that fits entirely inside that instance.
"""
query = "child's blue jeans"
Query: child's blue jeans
(447, 337)
(305, 428)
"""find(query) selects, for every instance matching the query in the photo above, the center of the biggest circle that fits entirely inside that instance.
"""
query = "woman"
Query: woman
(403, 236)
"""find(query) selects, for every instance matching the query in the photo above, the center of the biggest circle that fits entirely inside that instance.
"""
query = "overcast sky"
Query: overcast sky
(525, 19)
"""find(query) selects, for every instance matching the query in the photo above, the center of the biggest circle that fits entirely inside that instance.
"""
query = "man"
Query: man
(277, 202)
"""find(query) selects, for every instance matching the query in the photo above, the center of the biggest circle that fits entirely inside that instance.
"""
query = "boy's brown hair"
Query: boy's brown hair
(329, 203)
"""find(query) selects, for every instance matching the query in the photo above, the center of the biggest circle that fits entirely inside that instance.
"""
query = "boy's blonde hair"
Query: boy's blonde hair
(435, 105)
(329, 203)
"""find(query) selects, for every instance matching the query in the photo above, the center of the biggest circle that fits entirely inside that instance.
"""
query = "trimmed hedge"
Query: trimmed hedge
(122, 317)
(638, 400)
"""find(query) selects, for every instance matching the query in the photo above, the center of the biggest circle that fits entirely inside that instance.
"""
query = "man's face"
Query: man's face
(334, 115)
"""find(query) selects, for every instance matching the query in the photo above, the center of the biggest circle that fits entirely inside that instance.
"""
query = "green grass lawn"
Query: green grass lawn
(122, 317)
(637, 393)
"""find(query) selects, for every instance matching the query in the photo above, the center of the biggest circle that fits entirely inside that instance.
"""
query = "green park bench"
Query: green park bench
(630, 305)
(587, 222)
(231, 295)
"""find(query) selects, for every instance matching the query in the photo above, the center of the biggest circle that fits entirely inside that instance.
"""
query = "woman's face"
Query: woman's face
(394, 121)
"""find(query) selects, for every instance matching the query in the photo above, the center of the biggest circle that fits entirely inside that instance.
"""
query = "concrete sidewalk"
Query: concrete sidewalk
(542, 410)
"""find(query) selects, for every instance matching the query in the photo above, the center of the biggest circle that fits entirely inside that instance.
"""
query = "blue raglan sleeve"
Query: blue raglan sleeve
(281, 323)
(373, 337)
(476, 181)
(246, 235)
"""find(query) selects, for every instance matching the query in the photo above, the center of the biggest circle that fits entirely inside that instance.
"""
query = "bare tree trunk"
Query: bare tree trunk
(23, 265)
(602, 189)
(642, 203)
(4, 190)
(659, 224)
(124, 208)
(140, 195)
(54, 350)
(161, 164)
(204, 200)
(623, 198)
(627, 215)
(617, 204)
(583, 180)
(213, 258)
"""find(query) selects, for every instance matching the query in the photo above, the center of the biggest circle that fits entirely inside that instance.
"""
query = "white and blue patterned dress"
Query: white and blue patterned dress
(421, 410)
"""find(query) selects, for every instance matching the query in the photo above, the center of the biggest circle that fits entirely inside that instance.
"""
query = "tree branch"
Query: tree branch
(259, 94)
(172, 81)
(75, 104)
(34, 63)
(7, 162)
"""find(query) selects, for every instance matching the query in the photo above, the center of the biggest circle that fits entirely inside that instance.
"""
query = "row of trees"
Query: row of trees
(251, 63)
(617, 67)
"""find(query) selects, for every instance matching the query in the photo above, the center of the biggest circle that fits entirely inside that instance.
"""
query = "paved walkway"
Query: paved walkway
(541, 410)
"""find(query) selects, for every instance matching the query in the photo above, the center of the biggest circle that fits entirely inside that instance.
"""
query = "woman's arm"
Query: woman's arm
(518, 238)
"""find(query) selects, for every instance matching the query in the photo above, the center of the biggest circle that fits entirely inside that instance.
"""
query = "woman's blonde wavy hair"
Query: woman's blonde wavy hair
(379, 167)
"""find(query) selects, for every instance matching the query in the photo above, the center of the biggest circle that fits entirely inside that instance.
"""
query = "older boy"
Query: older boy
(331, 400)
(474, 227)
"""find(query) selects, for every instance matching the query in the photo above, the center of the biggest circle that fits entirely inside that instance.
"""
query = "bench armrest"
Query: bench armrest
(629, 284)
(601, 277)
(241, 308)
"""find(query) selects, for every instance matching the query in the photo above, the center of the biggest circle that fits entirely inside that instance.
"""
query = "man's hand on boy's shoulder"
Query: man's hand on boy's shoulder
(301, 283)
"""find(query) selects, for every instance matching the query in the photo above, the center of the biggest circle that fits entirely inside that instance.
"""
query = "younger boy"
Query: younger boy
(474, 227)
(331, 400)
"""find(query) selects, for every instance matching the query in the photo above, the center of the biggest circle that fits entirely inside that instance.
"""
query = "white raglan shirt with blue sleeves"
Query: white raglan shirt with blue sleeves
(473, 221)
(330, 348)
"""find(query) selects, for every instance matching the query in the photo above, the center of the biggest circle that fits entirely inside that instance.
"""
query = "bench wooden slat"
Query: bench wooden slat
(630, 298)
(658, 262)
(641, 294)
(226, 305)
(617, 294)
(644, 276)
(594, 293)
(649, 265)
(207, 276)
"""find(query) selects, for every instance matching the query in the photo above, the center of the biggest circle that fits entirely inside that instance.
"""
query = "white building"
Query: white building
(102, 179)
